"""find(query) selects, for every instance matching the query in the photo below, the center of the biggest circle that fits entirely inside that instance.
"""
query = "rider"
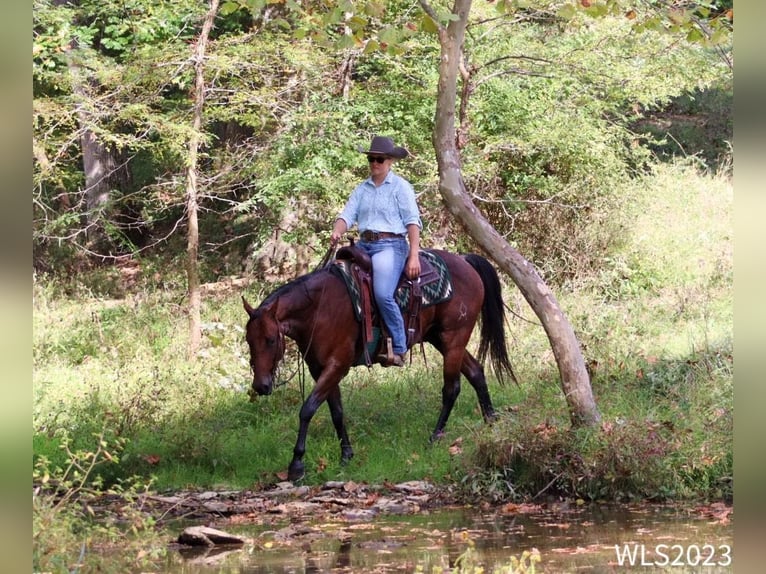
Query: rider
(385, 209)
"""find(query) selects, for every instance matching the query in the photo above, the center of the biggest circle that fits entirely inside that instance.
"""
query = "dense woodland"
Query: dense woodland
(559, 104)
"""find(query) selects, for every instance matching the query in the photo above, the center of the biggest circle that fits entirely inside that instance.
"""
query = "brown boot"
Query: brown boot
(395, 361)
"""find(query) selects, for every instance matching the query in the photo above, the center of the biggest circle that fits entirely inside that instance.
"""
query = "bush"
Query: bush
(667, 434)
(67, 531)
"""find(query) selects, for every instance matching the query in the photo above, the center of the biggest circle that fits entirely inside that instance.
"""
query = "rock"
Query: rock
(414, 486)
(205, 536)
(360, 514)
(391, 506)
(294, 508)
(332, 500)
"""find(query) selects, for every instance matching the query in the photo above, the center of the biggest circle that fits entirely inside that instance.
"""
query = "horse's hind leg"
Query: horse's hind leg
(474, 372)
(457, 362)
(336, 412)
(450, 389)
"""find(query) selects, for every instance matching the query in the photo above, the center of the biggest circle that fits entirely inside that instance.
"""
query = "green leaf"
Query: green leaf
(597, 10)
(371, 46)
(719, 36)
(567, 11)
(345, 42)
(694, 35)
(375, 9)
(357, 22)
(389, 35)
(428, 25)
(228, 8)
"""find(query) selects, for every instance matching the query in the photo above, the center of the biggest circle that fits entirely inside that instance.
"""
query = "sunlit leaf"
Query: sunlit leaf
(371, 46)
(567, 11)
(428, 25)
(228, 8)
(694, 35)
(389, 35)
(345, 42)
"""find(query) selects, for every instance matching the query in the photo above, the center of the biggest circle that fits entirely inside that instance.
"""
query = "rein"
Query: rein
(301, 368)
(328, 257)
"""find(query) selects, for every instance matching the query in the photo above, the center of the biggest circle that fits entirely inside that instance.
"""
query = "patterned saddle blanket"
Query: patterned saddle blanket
(434, 286)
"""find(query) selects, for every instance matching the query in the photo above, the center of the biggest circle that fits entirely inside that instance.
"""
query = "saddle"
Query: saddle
(431, 287)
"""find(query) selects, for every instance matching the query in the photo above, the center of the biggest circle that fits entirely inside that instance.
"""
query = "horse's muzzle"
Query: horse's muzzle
(259, 389)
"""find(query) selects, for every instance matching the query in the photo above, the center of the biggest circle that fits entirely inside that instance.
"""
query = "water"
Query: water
(569, 538)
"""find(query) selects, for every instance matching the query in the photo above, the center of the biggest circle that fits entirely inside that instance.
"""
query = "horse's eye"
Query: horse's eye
(270, 341)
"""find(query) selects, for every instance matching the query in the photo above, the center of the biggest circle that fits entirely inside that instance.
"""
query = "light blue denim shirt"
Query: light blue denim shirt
(389, 207)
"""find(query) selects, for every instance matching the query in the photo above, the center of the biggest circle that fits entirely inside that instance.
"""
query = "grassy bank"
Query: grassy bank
(655, 324)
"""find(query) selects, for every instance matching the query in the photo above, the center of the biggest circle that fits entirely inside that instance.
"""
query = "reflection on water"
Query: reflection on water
(569, 539)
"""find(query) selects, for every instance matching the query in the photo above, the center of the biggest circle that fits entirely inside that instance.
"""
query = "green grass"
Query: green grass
(654, 322)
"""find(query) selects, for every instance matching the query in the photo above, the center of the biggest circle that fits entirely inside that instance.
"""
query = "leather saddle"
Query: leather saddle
(360, 267)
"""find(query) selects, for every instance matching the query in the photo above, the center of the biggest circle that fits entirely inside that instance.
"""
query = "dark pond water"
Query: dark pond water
(588, 538)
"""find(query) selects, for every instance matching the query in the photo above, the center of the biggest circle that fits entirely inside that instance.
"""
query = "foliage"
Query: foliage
(292, 90)
(666, 453)
(468, 563)
(655, 329)
(66, 530)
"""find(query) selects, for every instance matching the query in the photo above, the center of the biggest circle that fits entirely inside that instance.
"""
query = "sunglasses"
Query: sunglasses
(376, 159)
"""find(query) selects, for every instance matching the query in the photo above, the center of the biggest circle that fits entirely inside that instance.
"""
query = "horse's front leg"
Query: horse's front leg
(326, 387)
(336, 412)
(297, 470)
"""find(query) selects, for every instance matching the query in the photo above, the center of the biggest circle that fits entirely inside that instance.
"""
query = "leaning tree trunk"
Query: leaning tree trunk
(575, 381)
(192, 245)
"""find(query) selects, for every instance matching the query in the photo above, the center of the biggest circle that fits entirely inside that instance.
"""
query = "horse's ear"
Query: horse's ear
(248, 308)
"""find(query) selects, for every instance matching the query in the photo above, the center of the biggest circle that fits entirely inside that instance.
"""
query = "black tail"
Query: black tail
(492, 340)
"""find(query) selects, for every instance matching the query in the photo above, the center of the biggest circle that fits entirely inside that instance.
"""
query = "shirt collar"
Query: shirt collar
(389, 177)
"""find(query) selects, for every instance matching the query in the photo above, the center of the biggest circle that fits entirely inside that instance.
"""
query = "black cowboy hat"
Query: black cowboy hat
(384, 146)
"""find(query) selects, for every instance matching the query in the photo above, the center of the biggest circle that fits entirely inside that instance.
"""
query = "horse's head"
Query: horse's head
(267, 346)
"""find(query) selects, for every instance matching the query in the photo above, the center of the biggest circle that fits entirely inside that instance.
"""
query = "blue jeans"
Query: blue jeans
(388, 259)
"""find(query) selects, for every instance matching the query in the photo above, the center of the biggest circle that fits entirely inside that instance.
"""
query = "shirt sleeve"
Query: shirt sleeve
(350, 212)
(408, 205)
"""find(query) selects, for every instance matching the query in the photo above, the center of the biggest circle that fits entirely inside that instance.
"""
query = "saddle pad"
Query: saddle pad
(342, 268)
(433, 293)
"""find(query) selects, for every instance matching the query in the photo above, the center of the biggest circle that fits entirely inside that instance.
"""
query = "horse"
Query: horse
(316, 311)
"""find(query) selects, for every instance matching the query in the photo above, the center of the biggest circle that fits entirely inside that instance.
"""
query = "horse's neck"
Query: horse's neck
(295, 309)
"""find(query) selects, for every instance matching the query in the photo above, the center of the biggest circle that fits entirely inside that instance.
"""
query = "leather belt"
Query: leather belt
(369, 235)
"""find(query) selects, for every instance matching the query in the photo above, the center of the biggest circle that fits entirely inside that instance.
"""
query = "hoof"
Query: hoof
(346, 456)
(437, 436)
(296, 471)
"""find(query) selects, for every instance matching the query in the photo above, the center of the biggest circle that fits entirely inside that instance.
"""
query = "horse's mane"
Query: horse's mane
(289, 286)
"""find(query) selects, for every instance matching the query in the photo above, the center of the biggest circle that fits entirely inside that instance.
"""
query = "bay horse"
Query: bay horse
(316, 311)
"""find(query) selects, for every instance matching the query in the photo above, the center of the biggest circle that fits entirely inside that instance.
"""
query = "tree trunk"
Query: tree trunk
(97, 161)
(192, 245)
(575, 381)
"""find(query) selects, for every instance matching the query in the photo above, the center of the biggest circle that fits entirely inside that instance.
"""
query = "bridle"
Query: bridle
(300, 370)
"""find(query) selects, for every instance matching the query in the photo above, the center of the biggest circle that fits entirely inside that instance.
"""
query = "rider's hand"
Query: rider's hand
(412, 268)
